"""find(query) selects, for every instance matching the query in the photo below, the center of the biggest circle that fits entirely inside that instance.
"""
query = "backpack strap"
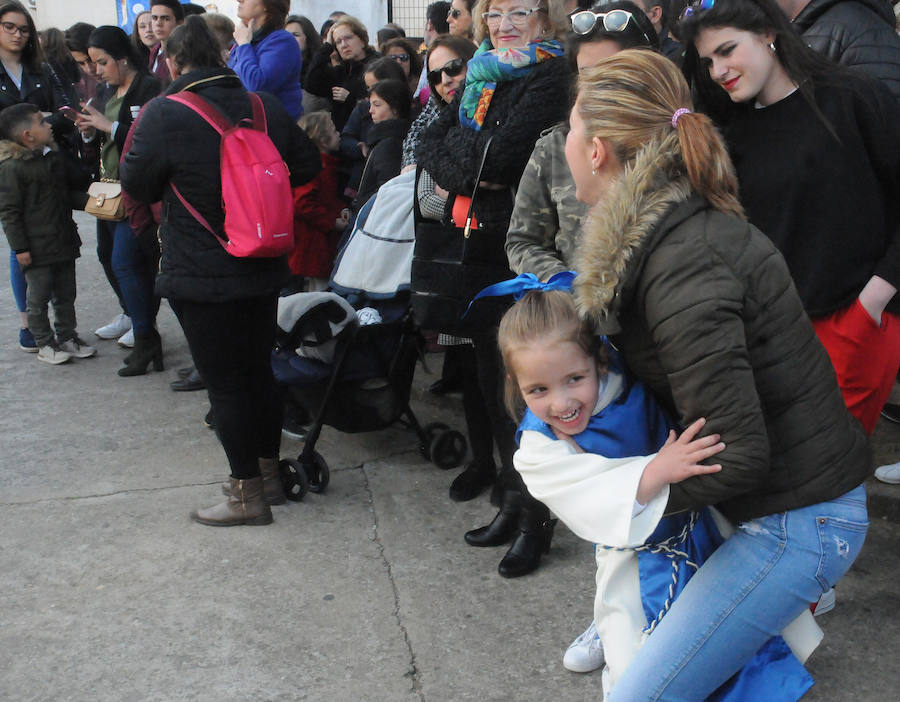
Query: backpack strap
(204, 108)
(259, 113)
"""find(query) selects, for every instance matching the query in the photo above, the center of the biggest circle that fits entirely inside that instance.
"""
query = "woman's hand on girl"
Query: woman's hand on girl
(679, 459)
(91, 119)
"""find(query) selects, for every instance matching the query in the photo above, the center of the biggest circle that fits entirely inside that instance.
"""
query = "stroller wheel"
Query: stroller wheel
(317, 473)
(294, 479)
(448, 449)
(431, 432)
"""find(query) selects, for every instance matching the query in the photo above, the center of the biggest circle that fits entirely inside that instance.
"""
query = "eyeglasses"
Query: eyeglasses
(12, 28)
(454, 13)
(452, 68)
(517, 18)
(613, 21)
(696, 8)
(402, 58)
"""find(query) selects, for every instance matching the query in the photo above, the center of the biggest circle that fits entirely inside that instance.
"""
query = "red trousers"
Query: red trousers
(865, 357)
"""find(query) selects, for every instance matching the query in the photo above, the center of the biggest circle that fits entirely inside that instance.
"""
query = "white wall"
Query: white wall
(65, 13)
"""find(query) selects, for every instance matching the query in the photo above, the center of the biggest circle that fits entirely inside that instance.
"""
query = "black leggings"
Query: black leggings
(231, 344)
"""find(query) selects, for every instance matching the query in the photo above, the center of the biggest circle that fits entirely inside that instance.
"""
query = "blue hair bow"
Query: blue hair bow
(526, 282)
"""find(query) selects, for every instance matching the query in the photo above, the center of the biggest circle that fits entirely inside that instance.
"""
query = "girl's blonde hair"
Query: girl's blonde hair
(630, 100)
(549, 316)
(481, 28)
(315, 124)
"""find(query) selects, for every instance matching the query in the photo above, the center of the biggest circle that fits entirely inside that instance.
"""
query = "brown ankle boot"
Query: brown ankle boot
(273, 488)
(245, 505)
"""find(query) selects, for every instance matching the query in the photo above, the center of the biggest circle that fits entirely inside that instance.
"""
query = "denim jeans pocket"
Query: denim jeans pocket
(840, 541)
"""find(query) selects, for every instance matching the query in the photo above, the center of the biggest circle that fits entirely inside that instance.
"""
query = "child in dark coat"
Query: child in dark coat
(38, 190)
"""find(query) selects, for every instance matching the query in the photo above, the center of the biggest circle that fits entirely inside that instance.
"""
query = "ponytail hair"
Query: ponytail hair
(639, 103)
(192, 45)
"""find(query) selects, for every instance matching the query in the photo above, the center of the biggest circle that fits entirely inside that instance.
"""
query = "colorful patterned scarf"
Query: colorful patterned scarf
(490, 66)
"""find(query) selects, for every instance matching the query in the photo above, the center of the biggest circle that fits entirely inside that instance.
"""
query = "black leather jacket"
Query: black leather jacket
(856, 33)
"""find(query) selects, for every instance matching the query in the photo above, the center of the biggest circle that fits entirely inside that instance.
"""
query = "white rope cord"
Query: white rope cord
(668, 549)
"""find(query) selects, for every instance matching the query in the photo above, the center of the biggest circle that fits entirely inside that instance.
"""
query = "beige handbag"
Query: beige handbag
(105, 201)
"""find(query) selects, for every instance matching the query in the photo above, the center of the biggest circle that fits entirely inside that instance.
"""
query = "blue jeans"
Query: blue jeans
(135, 276)
(17, 280)
(754, 585)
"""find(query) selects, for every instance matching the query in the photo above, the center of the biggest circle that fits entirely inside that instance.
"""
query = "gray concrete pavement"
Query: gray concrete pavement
(366, 592)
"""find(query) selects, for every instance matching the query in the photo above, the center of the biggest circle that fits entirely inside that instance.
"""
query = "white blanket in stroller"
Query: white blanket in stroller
(377, 257)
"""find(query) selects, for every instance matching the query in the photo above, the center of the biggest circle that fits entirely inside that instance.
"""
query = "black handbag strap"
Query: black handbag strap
(468, 228)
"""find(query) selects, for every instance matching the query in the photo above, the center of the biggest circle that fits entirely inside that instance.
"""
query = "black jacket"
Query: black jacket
(519, 111)
(322, 77)
(855, 33)
(172, 143)
(143, 88)
(385, 141)
(37, 195)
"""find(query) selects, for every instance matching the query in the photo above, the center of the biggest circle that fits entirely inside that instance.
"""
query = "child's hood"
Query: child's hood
(12, 150)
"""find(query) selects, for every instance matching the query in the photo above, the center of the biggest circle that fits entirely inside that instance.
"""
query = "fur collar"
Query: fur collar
(15, 151)
(616, 230)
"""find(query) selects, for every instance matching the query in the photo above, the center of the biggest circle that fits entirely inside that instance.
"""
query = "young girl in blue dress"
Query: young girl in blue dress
(598, 450)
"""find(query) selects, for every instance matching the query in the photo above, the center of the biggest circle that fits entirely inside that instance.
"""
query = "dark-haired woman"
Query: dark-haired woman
(389, 109)
(403, 51)
(817, 153)
(309, 41)
(517, 85)
(265, 56)
(460, 20)
(226, 305)
(24, 79)
(130, 258)
(337, 69)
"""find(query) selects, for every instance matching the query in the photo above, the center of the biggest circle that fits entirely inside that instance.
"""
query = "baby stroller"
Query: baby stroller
(347, 356)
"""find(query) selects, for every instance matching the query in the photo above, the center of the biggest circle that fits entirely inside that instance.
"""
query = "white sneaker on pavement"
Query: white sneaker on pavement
(889, 473)
(53, 355)
(77, 348)
(119, 324)
(585, 653)
(127, 339)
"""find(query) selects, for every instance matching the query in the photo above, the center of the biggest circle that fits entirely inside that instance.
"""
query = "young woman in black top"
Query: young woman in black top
(817, 154)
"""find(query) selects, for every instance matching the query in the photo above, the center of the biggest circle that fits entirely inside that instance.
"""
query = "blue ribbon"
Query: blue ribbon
(526, 282)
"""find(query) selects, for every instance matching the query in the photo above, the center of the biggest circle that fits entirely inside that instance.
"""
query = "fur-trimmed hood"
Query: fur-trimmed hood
(616, 233)
(14, 150)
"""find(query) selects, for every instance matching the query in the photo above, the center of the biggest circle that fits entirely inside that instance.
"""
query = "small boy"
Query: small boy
(320, 216)
(38, 190)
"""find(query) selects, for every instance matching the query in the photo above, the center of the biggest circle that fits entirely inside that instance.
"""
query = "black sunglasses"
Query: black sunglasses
(452, 68)
(401, 58)
(454, 13)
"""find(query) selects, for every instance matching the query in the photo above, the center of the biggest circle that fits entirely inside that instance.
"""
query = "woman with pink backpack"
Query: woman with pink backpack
(224, 298)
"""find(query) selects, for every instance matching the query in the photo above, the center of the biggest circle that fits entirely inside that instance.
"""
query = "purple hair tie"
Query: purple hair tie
(680, 111)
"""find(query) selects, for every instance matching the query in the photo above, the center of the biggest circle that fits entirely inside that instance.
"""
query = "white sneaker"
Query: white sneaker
(586, 652)
(825, 603)
(76, 347)
(120, 324)
(127, 339)
(53, 355)
(889, 474)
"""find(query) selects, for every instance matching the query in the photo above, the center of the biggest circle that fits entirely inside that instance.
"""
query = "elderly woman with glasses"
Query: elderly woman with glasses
(516, 86)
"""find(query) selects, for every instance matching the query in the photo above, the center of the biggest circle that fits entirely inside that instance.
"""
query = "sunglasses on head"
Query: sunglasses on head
(402, 58)
(583, 22)
(452, 68)
(695, 8)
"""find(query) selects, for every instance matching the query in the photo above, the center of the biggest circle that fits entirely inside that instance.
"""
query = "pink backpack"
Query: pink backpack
(256, 189)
